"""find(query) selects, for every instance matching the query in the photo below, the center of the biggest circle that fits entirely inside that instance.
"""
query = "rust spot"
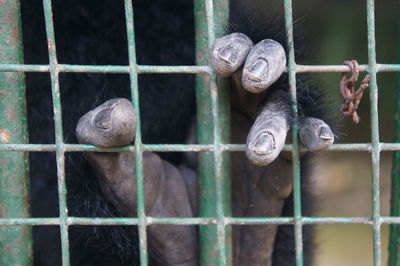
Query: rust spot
(14, 35)
(12, 77)
(214, 251)
(3, 93)
(4, 161)
(51, 45)
(5, 136)
(11, 115)
(3, 211)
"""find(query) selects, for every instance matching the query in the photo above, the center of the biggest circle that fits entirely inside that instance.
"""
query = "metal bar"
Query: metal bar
(295, 142)
(105, 68)
(198, 69)
(394, 235)
(205, 171)
(15, 243)
(217, 14)
(142, 222)
(184, 147)
(344, 68)
(374, 132)
(198, 221)
(212, 113)
(55, 89)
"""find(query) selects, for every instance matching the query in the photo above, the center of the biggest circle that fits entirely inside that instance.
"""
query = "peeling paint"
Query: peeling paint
(5, 136)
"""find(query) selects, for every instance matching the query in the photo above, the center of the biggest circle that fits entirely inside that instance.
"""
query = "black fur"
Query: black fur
(93, 32)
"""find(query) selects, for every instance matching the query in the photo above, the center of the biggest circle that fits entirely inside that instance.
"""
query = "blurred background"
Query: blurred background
(335, 31)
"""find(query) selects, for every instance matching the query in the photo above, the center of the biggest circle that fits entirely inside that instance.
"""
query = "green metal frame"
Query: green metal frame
(394, 236)
(15, 242)
(213, 136)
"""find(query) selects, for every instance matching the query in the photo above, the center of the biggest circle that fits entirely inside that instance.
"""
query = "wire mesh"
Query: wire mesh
(215, 145)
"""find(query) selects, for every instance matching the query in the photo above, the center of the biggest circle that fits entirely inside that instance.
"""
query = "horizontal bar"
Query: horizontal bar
(197, 221)
(91, 148)
(105, 68)
(182, 221)
(178, 69)
(183, 147)
(345, 68)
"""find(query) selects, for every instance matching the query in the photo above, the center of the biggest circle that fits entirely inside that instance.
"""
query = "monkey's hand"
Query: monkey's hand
(113, 124)
(254, 68)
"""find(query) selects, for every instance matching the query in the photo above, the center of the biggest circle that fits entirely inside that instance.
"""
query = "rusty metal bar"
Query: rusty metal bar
(298, 225)
(16, 242)
(185, 148)
(211, 19)
(200, 69)
(60, 152)
(394, 235)
(133, 72)
(375, 154)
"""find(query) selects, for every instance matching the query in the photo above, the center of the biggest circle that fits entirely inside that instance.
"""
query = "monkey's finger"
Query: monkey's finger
(267, 135)
(229, 53)
(264, 65)
(315, 134)
(111, 124)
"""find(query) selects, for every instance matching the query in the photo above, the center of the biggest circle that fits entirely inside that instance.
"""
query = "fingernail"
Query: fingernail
(325, 133)
(258, 70)
(229, 53)
(264, 144)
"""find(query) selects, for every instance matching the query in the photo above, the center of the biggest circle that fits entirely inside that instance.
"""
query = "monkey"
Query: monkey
(96, 111)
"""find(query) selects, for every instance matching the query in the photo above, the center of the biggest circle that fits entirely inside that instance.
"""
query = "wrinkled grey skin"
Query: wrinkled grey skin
(171, 191)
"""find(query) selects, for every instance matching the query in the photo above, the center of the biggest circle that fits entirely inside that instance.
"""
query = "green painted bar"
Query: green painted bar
(394, 235)
(198, 221)
(295, 141)
(106, 68)
(16, 242)
(60, 158)
(217, 13)
(184, 148)
(213, 127)
(207, 195)
(222, 135)
(180, 69)
(374, 132)
(142, 222)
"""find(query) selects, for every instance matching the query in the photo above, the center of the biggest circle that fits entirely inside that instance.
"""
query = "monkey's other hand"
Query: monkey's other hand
(111, 124)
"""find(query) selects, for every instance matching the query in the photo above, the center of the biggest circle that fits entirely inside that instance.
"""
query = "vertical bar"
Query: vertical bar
(207, 194)
(138, 138)
(295, 145)
(15, 242)
(372, 69)
(60, 158)
(394, 235)
(215, 243)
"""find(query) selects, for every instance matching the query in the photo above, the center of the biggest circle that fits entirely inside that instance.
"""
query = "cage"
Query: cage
(213, 112)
